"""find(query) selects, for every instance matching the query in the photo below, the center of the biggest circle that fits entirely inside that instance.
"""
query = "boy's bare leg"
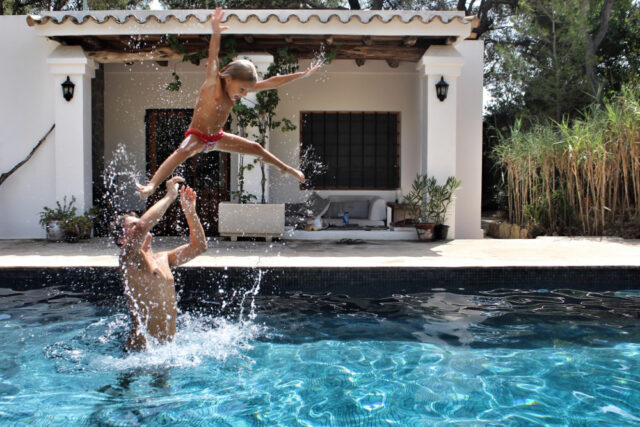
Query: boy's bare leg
(236, 144)
(189, 146)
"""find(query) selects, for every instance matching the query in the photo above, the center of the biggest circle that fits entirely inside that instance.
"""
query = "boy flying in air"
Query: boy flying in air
(218, 93)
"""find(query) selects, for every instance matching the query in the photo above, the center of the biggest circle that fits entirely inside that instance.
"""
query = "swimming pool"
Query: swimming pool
(496, 357)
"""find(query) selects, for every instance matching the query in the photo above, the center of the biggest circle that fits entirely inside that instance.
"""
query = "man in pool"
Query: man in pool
(147, 278)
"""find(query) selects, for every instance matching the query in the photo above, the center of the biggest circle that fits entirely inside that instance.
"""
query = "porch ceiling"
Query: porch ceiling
(126, 48)
(122, 36)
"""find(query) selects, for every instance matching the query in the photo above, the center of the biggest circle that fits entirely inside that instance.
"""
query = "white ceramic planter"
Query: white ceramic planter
(54, 232)
(251, 220)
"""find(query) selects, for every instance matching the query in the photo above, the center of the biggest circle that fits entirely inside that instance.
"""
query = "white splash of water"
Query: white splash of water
(311, 164)
(119, 179)
(197, 339)
(320, 59)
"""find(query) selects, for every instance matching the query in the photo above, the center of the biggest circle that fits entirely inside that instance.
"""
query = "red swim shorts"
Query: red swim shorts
(209, 141)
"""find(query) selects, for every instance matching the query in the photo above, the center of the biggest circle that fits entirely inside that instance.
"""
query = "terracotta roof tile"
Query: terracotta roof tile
(281, 15)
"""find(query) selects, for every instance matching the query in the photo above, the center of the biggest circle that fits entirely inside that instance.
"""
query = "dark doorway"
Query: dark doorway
(208, 173)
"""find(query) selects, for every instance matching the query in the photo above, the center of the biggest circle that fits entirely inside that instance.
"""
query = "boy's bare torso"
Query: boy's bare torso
(212, 108)
(150, 291)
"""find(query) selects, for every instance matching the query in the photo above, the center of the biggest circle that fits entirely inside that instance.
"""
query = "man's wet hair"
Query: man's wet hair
(117, 226)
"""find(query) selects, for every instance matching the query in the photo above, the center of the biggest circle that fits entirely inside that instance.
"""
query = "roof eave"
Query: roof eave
(303, 22)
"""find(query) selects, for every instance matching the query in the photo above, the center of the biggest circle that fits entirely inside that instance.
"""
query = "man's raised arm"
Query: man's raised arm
(197, 240)
(153, 215)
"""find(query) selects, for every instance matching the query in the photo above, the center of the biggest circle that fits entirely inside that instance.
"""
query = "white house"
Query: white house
(381, 87)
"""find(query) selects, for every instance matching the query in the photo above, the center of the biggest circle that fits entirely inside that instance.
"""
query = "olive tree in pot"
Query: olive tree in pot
(420, 206)
(441, 198)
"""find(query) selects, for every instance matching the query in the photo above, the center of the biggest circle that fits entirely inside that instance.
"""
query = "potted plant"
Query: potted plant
(51, 219)
(420, 206)
(77, 228)
(441, 198)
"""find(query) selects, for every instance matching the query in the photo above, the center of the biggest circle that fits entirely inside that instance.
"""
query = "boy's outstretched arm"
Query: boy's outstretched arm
(277, 81)
(214, 44)
(197, 240)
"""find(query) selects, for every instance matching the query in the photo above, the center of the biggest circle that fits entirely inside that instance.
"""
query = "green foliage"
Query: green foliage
(619, 52)
(77, 228)
(441, 198)
(576, 176)
(428, 201)
(61, 212)
(250, 4)
(21, 7)
(176, 84)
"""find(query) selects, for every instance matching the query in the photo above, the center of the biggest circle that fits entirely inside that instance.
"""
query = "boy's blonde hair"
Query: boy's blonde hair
(240, 69)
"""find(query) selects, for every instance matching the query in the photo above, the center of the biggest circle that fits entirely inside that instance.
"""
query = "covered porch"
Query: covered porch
(385, 63)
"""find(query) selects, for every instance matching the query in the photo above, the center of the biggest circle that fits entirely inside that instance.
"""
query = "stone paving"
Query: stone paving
(543, 251)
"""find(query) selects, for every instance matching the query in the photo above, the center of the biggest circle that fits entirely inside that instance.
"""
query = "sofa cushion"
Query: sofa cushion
(317, 205)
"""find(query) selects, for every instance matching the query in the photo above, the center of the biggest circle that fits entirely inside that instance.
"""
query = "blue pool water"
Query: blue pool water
(494, 358)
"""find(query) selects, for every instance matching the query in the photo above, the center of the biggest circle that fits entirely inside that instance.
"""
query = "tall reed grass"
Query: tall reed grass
(579, 176)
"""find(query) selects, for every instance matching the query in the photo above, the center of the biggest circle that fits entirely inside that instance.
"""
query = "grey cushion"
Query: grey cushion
(356, 208)
(317, 205)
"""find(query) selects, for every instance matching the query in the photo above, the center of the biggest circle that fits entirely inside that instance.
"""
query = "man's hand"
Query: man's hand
(188, 200)
(216, 20)
(172, 186)
(145, 190)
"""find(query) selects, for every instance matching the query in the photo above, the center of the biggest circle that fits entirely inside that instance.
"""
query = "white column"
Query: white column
(253, 177)
(73, 125)
(439, 120)
(469, 136)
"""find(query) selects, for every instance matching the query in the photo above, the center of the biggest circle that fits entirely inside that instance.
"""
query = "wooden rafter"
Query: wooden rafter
(394, 49)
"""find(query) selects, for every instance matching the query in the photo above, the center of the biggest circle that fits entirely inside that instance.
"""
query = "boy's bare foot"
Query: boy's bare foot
(145, 190)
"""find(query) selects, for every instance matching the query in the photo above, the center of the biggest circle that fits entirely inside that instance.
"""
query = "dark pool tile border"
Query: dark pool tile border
(365, 282)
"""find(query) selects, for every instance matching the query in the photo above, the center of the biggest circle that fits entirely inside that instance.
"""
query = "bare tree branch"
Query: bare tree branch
(6, 175)
(605, 14)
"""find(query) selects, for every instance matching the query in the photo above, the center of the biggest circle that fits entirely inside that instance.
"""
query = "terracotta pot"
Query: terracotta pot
(425, 231)
(440, 232)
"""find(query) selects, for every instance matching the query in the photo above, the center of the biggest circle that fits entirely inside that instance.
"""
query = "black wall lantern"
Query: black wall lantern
(442, 88)
(67, 89)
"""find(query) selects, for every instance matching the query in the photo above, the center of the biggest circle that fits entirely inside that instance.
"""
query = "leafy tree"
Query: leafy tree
(547, 61)
(619, 52)
(21, 7)
(251, 4)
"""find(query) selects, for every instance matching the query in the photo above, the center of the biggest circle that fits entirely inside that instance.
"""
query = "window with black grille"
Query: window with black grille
(358, 150)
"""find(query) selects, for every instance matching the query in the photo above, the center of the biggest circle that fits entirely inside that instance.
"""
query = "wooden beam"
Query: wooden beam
(409, 41)
(366, 40)
(393, 63)
(360, 62)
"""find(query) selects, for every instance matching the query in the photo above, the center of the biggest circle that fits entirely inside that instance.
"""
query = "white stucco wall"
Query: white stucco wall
(129, 90)
(26, 114)
(343, 86)
(469, 140)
